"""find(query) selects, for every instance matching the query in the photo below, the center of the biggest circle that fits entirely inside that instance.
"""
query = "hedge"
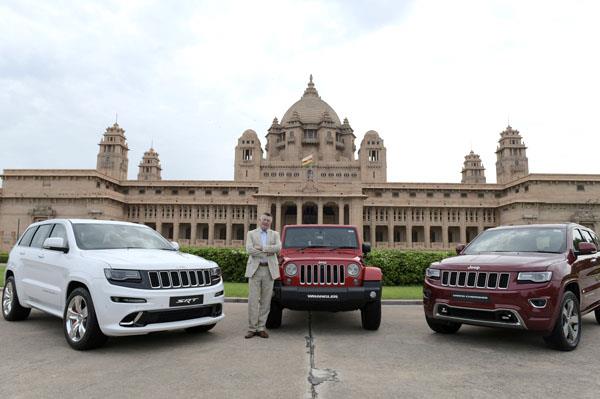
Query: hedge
(3, 257)
(398, 267)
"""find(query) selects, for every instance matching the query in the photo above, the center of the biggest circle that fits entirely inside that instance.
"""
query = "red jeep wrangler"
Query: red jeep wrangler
(322, 268)
(536, 277)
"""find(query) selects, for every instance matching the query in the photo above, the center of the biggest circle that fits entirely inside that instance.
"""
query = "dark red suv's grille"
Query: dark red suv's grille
(490, 280)
(322, 274)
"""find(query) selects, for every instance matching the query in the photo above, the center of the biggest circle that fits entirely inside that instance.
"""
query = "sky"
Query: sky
(436, 79)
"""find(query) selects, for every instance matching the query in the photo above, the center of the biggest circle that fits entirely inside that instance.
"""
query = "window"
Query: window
(580, 187)
(60, 232)
(480, 195)
(191, 192)
(395, 194)
(577, 238)
(242, 192)
(174, 192)
(40, 235)
(208, 192)
(247, 155)
(446, 195)
(588, 237)
(373, 155)
(310, 134)
(463, 195)
(26, 239)
(225, 192)
(429, 195)
(157, 191)
(412, 195)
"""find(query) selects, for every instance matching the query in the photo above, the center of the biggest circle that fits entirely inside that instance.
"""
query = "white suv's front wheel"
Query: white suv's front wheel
(80, 323)
(11, 308)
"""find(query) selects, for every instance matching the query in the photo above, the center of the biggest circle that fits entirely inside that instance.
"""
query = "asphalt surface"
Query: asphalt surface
(313, 355)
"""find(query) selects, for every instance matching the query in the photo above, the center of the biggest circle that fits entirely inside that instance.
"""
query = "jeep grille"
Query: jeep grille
(488, 280)
(180, 278)
(322, 274)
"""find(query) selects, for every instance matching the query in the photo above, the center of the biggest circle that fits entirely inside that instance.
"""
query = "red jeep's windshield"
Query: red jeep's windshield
(320, 237)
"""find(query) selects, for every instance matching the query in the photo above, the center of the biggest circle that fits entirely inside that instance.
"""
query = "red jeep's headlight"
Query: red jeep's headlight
(291, 269)
(353, 270)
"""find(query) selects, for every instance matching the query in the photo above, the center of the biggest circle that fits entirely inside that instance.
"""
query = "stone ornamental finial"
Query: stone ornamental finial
(310, 90)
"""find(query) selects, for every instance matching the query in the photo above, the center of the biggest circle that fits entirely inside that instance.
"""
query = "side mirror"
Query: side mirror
(366, 248)
(56, 244)
(459, 248)
(586, 248)
(175, 245)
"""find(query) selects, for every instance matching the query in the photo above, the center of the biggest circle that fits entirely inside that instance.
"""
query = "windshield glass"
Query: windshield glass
(324, 237)
(114, 236)
(522, 239)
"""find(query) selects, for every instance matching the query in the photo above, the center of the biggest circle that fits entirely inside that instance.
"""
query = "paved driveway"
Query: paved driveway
(403, 359)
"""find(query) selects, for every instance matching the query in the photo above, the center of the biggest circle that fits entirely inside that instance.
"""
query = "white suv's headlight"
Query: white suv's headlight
(123, 275)
(534, 277)
(215, 271)
(432, 273)
(291, 269)
(353, 269)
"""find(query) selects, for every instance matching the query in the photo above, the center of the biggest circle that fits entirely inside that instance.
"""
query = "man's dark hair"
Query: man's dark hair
(267, 214)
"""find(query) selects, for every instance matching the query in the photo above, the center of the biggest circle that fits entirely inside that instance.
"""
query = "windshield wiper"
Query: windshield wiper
(341, 247)
(311, 246)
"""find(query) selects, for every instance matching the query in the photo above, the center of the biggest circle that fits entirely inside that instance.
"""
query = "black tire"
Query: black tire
(11, 307)
(275, 315)
(597, 314)
(443, 326)
(370, 315)
(200, 329)
(569, 319)
(84, 314)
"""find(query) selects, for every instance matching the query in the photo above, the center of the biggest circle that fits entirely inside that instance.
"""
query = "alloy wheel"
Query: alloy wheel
(7, 299)
(570, 321)
(77, 317)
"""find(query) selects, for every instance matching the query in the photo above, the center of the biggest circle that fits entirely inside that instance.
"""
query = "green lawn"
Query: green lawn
(240, 290)
(2, 267)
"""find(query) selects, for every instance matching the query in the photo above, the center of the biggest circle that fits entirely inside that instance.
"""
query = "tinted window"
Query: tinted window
(587, 237)
(530, 239)
(40, 235)
(307, 237)
(595, 238)
(26, 239)
(60, 231)
(577, 238)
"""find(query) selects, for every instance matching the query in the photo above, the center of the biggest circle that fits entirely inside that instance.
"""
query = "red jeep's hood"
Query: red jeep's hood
(321, 257)
(504, 261)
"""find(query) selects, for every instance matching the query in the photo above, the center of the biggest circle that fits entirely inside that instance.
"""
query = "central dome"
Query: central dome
(310, 108)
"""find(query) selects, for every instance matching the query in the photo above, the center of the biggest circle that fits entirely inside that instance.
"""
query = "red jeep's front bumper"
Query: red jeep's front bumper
(326, 298)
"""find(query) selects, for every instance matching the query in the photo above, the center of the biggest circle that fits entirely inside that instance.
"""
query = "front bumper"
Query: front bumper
(156, 314)
(326, 298)
(507, 308)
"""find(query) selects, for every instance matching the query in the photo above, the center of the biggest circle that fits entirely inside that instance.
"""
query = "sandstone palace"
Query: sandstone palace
(339, 186)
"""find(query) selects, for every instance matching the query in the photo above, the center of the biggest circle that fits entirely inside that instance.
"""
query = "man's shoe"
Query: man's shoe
(262, 334)
(250, 334)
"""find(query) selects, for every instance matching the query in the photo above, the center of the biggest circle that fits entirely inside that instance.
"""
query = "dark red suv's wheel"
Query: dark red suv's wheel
(567, 331)
(597, 314)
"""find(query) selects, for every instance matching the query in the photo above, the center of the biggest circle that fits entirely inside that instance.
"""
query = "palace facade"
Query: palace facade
(340, 186)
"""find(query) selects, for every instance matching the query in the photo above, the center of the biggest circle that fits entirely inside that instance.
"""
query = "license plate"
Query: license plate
(186, 300)
(470, 297)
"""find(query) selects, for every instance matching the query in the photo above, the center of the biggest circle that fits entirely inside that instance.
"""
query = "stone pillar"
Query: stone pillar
(320, 211)
(228, 226)
(479, 220)
(463, 226)
(193, 233)
(211, 225)
(299, 212)
(372, 236)
(427, 227)
(445, 228)
(278, 219)
(390, 220)
(340, 212)
(409, 223)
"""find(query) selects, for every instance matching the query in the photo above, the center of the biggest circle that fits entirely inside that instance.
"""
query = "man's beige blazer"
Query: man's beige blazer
(254, 255)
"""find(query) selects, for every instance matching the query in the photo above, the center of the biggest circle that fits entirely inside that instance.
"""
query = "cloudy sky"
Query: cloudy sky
(434, 78)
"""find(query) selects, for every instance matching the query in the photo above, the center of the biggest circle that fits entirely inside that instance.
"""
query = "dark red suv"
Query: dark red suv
(535, 277)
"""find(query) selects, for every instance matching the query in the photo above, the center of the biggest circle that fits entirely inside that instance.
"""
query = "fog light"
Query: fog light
(443, 309)
(288, 281)
(220, 293)
(373, 294)
(538, 302)
(120, 299)
(355, 282)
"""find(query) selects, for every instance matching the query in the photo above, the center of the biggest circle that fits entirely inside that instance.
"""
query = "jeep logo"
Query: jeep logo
(473, 268)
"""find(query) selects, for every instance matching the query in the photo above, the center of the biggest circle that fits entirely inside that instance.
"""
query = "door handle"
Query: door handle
(41, 256)
(21, 253)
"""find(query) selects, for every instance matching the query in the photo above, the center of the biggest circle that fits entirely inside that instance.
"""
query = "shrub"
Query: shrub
(398, 267)
(404, 267)
(3, 257)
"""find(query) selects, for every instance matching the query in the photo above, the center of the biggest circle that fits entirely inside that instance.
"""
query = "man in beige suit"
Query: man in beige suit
(262, 245)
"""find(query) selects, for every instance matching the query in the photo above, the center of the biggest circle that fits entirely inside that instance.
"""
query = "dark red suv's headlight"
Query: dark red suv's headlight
(433, 273)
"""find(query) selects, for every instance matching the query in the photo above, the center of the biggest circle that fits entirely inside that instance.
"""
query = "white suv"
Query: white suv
(106, 278)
